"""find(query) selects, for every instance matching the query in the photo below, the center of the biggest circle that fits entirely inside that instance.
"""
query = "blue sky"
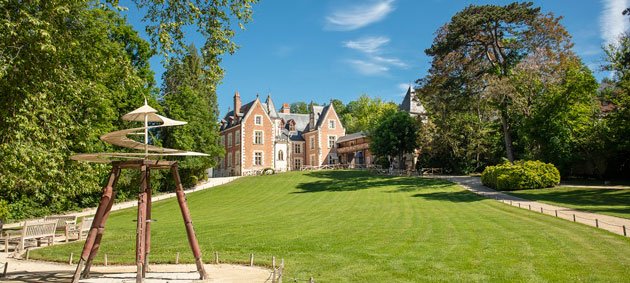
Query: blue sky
(303, 50)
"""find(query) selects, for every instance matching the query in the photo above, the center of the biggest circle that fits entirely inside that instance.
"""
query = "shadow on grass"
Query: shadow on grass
(456, 196)
(344, 181)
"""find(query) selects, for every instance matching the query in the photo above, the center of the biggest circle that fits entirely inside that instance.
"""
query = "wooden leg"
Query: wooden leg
(140, 230)
(99, 237)
(106, 198)
(192, 238)
(147, 227)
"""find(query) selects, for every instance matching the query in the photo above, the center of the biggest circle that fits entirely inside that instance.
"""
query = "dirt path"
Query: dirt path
(613, 224)
(38, 271)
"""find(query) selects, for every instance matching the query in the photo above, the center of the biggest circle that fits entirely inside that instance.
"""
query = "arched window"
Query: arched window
(280, 155)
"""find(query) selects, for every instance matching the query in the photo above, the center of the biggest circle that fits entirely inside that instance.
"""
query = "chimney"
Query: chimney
(286, 109)
(237, 104)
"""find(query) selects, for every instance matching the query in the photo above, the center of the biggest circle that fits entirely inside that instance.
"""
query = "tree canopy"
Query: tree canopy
(396, 135)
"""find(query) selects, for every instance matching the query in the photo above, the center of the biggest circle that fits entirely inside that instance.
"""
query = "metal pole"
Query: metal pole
(192, 238)
(106, 198)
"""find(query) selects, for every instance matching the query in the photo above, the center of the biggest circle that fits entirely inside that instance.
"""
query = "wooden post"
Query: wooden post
(510, 202)
(596, 223)
(281, 270)
(105, 260)
(216, 257)
(624, 230)
(70, 261)
(311, 280)
(556, 213)
(6, 266)
(190, 231)
(92, 240)
(574, 217)
(273, 262)
(530, 206)
(28, 253)
(541, 210)
(177, 258)
(251, 260)
(519, 205)
(140, 226)
(147, 225)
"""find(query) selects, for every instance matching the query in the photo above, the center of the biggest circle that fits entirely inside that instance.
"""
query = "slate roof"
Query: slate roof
(411, 103)
(352, 137)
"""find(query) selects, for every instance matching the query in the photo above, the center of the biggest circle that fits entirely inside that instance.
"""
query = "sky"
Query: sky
(318, 50)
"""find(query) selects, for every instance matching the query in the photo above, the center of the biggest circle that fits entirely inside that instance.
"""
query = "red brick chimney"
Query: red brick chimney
(237, 104)
(286, 109)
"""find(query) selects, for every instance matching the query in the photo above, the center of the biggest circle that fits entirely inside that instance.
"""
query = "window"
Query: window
(258, 158)
(291, 125)
(331, 124)
(280, 155)
(312, 140)
(258, 137)
(331, 141)
(229, 140)
(312, 159)
(229, 160)
(237, 158)
(297, 148)
(331, 160)
(222, 140)
(258, 120)
(237, 137)
(297, 164)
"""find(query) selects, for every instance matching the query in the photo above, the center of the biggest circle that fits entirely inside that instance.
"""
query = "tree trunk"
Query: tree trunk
(507, 137)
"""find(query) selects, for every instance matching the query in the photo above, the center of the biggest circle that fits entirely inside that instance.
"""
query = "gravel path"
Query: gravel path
(38, 271)
(613, 224)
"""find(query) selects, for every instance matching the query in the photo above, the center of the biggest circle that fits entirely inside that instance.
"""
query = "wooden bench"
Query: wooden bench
(86, 224)
(64, 222)
(37, 230)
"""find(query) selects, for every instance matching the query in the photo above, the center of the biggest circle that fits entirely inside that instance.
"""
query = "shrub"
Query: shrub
(521, 175)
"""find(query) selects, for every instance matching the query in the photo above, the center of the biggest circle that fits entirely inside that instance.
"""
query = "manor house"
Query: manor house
(257, 136)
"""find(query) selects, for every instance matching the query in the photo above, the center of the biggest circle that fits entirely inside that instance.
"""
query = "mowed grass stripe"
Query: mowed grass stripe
(350, 226)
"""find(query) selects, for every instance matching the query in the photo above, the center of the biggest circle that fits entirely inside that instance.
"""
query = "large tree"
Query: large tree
(67, 71)
(365, 113)
(482, 44)
(188, 95)
(396, 135)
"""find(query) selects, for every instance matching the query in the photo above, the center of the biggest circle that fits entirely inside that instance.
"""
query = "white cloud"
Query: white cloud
(374, 63)
(403, 87)
(368, 68)
(390, 61)
(356, 17)
(612, 22)
(370, 44)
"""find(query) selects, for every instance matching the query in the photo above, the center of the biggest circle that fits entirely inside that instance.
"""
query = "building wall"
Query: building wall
(249, 148)
(325, 131)
(231, 166)
(312, 149)
(281, 165)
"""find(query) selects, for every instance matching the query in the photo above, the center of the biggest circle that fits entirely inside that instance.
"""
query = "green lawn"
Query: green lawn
(615, 202)
(348, 226)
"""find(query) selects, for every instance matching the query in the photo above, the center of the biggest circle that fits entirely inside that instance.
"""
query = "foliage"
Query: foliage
(188, 95)
(365, 113)
(299, 107)
(482, 44)
(521, 175)
(378, 228)
(395, 136)
(617, 120)
(213, 20)
(66, 72)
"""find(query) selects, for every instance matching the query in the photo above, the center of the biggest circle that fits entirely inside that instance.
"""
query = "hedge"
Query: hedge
(521, 175)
